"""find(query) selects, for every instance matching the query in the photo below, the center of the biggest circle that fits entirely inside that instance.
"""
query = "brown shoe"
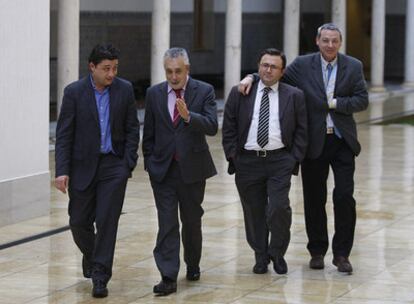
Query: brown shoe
(343, 264)
(317, 262)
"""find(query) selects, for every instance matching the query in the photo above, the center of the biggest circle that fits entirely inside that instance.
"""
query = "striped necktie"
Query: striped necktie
(176, 114)
(263, 126)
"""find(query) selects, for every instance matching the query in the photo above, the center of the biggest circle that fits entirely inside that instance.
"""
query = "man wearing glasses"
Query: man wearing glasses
(264, 139)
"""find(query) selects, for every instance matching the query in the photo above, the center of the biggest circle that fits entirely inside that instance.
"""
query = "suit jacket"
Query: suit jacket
(238, 117)
(78, 138)
(161, 140)
(305, 72)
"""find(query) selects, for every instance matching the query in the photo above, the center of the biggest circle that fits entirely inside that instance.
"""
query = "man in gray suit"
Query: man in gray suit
(179, 113)
(334, 88)
(264, 139)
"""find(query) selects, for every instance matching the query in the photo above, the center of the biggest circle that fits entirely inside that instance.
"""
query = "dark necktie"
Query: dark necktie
(263, 126)
(329, 67)
(176, 114)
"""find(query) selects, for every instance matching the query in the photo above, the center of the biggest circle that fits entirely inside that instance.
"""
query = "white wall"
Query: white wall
(24, 110)
(24, 88)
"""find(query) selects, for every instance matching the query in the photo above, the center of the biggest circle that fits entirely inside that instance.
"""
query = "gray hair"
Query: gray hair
(176, 52)
(330, 27)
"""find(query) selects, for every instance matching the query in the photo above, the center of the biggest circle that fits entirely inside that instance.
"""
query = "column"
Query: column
(232, 66)
(409, 45)
(339, 18)
(67, 46)
(160, 38)
(291, 29)
(377, 45)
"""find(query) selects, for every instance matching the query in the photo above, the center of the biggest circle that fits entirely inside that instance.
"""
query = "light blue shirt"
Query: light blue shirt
(102, 105)
(330, 88)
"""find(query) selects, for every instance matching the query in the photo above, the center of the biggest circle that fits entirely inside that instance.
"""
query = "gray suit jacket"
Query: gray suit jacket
(238, 117)
(350, 92)
(161, 140)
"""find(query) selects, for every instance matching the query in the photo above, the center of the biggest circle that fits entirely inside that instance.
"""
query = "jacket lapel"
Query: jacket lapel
(341, 71)
(113, 101)
(317, 71)
(90, 98)
(163, 103)
(190, 92)
(283, 100)
(247, 110)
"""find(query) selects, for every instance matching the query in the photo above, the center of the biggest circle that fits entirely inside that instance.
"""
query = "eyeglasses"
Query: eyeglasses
(266, 66)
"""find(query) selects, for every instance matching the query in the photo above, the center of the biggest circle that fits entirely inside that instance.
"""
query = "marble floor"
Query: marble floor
(48, 270)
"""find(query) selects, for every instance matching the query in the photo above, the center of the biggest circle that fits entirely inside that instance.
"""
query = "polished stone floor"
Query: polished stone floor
(48, 270)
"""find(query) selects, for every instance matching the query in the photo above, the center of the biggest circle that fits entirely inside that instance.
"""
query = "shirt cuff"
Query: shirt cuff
(332, 104)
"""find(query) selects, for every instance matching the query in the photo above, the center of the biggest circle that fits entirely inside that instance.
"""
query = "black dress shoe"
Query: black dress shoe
(260, 268)
(164, 288)
(279, 265)
(193, 276)
(99, 289)
(317, 262)
(86, 268)
(342, 263)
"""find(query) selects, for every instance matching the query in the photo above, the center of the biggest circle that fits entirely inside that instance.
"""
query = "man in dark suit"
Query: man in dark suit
(179, 113)
(334, 88)
(264, 139)
(97, 139)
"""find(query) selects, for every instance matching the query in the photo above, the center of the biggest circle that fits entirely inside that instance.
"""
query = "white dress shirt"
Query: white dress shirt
(275, 138)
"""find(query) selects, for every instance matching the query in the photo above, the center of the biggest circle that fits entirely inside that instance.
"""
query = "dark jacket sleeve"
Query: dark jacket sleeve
(148, 139)
(65, 133)
(132, 131)
(300, 139)
(230, 128)
(358, 100)
(206, 121)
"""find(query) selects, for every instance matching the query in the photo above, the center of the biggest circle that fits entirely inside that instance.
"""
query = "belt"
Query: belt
(330, 130)
(261, 153)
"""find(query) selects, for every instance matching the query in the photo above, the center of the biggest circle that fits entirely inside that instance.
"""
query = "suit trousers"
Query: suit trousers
(100, 203)
(337, 154)
(171, 195)
(263, 184)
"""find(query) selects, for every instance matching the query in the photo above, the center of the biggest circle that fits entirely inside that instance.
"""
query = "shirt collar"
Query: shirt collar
(94, 86)
(325, 63)
(274, 87)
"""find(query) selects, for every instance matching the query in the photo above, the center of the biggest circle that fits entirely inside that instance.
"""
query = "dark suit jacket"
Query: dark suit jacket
(161, 140)
(238, 117)
(78, 131)
(305, 72)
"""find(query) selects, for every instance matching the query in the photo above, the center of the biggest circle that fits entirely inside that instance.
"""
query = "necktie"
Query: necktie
(263, 126)
(329, 67)
(176, 114)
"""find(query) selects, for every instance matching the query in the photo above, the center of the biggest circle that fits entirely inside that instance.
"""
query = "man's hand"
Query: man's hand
(61, 183)
(245, 85)
(182, 109)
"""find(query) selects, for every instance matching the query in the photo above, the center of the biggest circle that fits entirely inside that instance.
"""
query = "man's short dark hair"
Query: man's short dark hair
(101, 52)
(272, 52)
(329, 27)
